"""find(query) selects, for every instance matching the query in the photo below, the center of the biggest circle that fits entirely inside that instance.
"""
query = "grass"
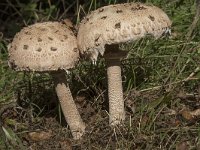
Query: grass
(160, 80)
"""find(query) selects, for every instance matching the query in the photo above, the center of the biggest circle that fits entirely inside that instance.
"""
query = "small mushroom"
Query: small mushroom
(27, 53)
(136, 21)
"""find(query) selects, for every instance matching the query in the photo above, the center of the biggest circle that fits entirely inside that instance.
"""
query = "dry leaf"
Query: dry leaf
(186, 114)
(171, 112)
(182, 146)
(66, 144)
(40, 135)
(195, 113)
(189, 115)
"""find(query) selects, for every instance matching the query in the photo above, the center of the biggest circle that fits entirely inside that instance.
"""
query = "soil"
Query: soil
(47, 132)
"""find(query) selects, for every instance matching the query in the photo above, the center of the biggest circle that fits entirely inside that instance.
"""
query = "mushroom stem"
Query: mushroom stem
(68, 105)
(115, 92)
(115, 89)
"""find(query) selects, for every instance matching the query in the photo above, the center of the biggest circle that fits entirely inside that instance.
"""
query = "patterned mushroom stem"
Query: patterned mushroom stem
(115, 89)
(68, 105)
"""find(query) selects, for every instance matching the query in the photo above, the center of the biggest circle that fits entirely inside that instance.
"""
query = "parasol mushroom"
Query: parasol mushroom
(50, 47)
(104, 29)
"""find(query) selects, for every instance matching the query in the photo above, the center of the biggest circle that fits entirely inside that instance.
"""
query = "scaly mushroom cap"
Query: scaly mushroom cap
(44, 46)
(120, 23)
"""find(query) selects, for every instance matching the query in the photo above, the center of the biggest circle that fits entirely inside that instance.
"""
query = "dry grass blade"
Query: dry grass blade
(195, 20)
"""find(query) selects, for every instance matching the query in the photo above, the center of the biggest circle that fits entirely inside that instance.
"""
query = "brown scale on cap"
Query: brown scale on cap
(119, 11)
(118, 25)
(151, 18)
(50, 38)
(25, 47)
(104, 17)
(39, 39)
(39, 49)
(127, 22)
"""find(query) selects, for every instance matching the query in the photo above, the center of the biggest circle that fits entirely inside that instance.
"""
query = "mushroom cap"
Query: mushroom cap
(120, 23)
(46, 46)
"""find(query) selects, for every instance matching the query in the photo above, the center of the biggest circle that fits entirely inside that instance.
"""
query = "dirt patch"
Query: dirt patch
(154, 117)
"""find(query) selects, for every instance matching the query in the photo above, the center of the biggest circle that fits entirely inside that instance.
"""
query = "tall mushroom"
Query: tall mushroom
(105, 28)
(50, 47)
